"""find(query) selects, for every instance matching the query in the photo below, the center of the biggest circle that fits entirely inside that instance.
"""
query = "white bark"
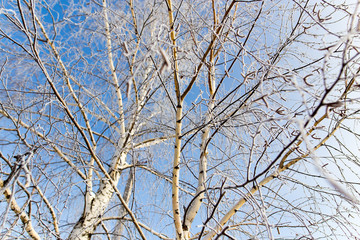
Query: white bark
(122, 212)
(86, 224)
(196, 203)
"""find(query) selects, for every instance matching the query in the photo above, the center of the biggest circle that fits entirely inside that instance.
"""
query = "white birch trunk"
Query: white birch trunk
(95, 207)
(87, 224)
(196, 203)
(127, 193)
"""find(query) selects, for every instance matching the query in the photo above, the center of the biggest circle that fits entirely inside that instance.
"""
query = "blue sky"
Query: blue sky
(82, 47)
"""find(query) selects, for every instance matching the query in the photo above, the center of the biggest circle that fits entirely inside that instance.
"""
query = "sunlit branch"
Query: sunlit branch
(25, 219)
(177, 147)
(266, 180)
(42, 136)
(212, 42)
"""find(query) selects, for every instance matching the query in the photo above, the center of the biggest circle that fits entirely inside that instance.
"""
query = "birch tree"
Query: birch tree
(179, 119)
